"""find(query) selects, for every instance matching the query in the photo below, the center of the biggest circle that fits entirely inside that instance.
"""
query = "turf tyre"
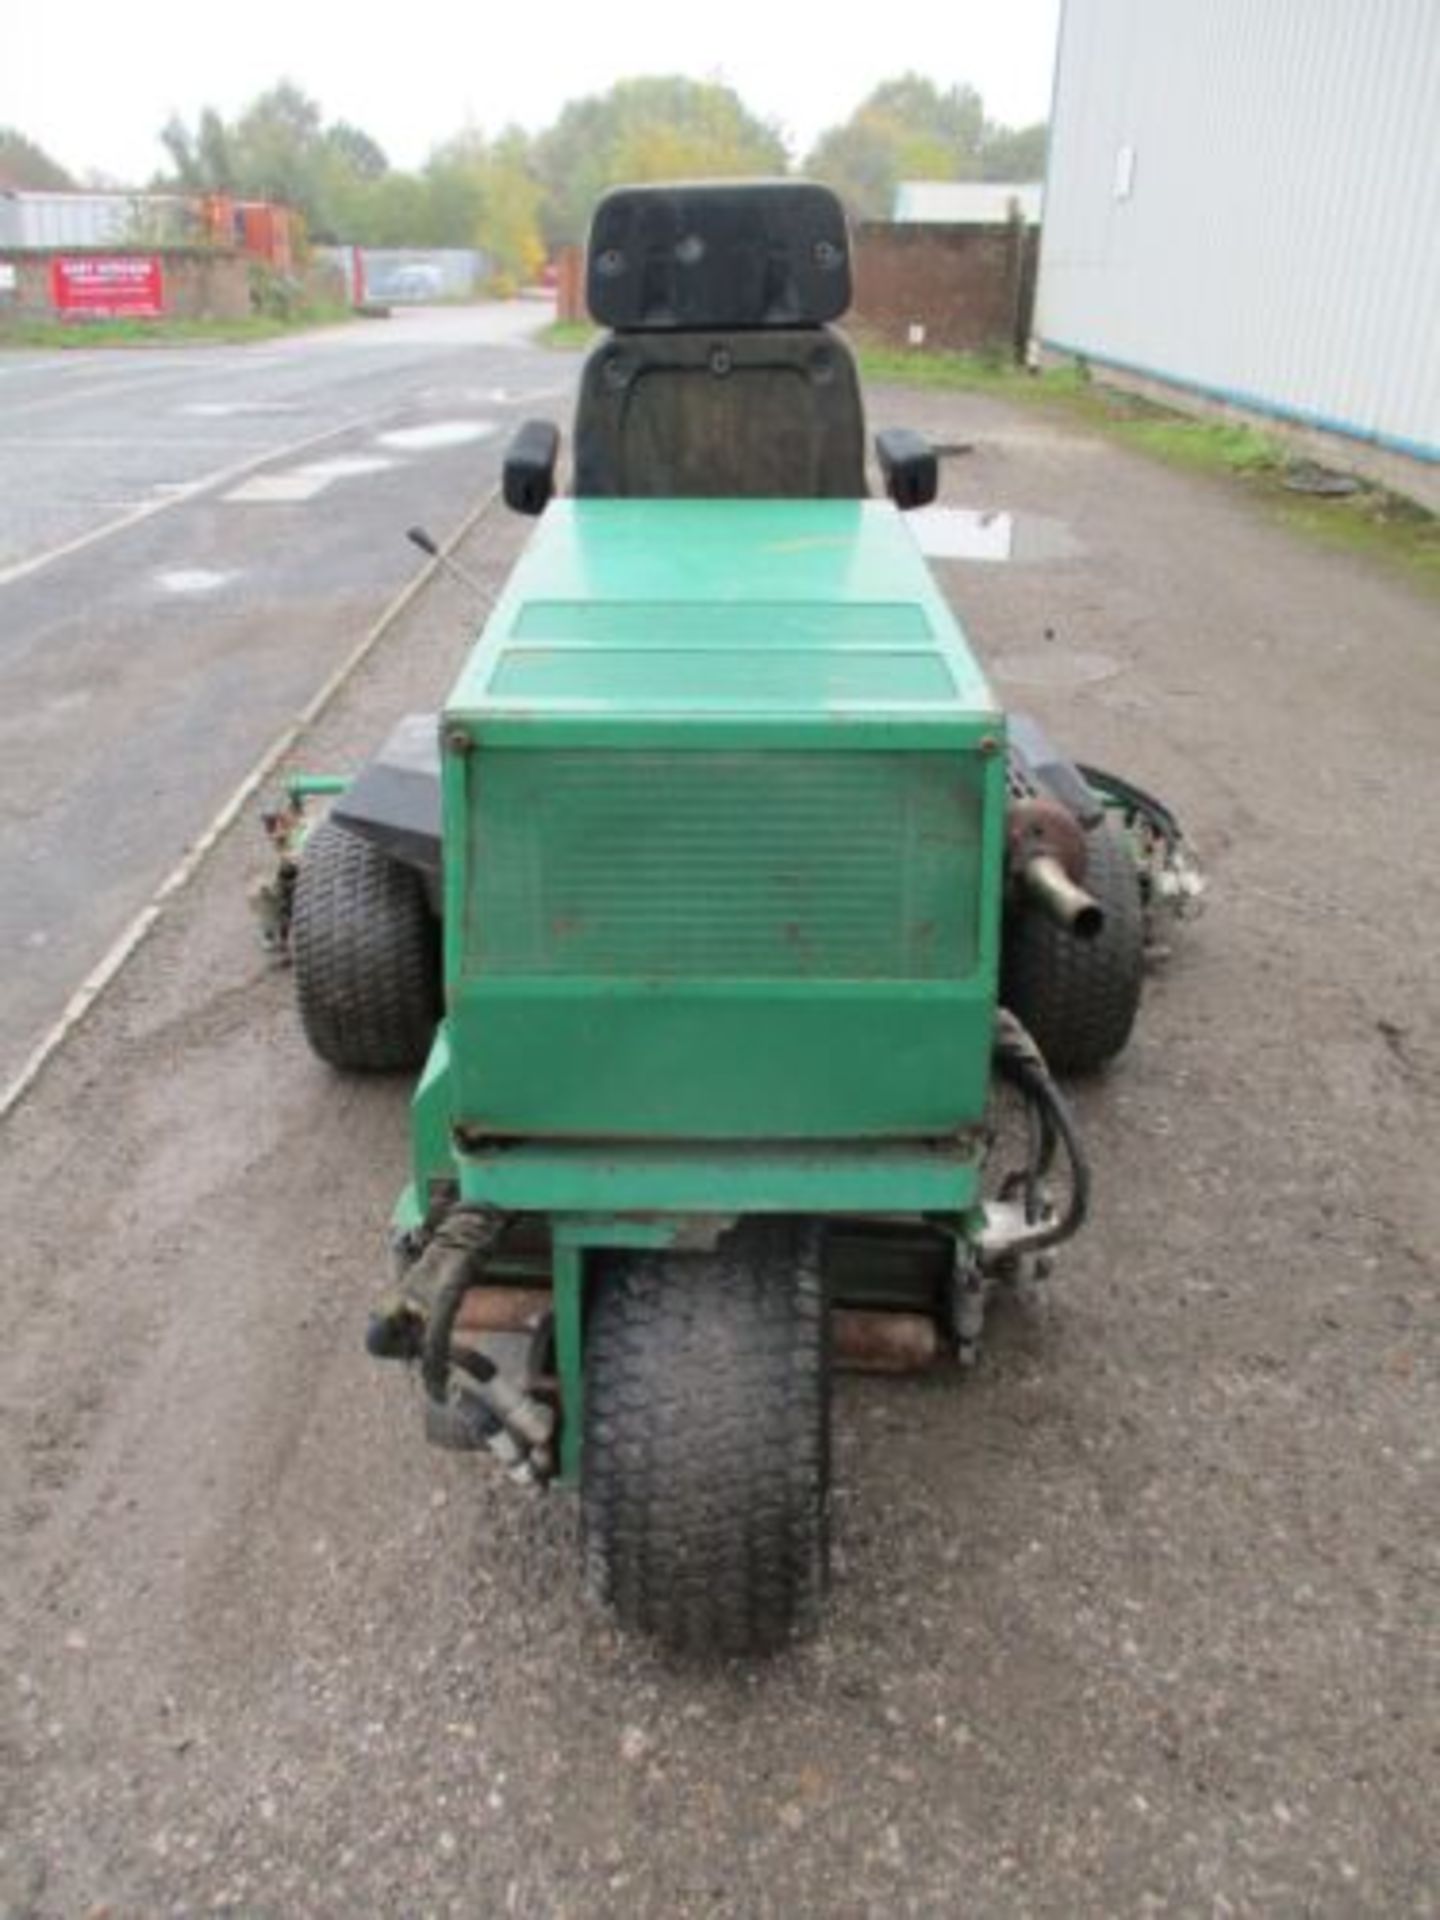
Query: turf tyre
(1079, 998)
(366, 952)
(705, 1479)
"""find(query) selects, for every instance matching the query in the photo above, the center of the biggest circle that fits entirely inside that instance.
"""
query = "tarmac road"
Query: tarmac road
(1137, 1619)
(190, 540)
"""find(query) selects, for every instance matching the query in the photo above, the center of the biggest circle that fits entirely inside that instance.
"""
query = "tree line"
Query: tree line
(518, 195)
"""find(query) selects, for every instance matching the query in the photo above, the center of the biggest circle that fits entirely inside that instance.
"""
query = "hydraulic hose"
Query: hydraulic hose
(1019, 1060)
(1138, 801)
(451, 1265)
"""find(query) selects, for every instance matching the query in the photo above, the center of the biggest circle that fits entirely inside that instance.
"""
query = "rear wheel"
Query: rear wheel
(1078, 997)
(706, 1447)
(366, 952)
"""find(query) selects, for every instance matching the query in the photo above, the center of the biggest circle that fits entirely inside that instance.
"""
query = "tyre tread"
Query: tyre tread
(706, 1444)
(366, 955)
(1079, 998)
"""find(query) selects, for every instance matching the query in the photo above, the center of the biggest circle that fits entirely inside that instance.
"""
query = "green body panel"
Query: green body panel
(751, 607)
(722, 1061)
(629, 863)
(723, 812)
(833, 1177)
(432, 1156)
(618, 1177)
(620, 1195)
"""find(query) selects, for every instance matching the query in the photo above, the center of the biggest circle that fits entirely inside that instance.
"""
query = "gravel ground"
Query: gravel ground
(1136, 1619)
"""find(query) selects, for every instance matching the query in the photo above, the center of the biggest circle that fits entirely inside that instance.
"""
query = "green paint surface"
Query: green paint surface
(640, 1180)
(723, 813)
(706, 608)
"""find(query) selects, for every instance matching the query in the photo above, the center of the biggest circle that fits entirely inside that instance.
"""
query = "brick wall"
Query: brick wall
(971, 288)
(199, 283)
(570, 285)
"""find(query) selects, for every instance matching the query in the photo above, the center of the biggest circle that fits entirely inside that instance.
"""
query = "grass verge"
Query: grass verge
(571, 336)
(66, 335)
(1370, 521)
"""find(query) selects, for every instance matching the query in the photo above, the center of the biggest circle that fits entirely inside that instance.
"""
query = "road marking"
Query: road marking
(303, 483)
(277, 489)
(961, 533)
(440, 433)
(175, 882)
(223, 409)
(537, 393)
(175, 496)
(191, 580)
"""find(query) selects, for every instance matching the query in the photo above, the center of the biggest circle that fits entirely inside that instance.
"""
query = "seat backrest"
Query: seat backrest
(722, 378)
(773, 415)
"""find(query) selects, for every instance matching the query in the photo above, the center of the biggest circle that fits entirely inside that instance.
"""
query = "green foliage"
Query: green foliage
(1370, 522)
(278, 143)
(203, 161)
(1014, 153)
(907, 129)
(356, 151)
(510, 214)
(27, 167)
(860, 161)
(911, 129)
(569, 336)
(274, 296)
(472, 193)
(513, 196)
(961, 372)
(655, 128)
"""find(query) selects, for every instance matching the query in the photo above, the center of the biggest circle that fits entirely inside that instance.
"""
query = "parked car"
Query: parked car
(417, 282)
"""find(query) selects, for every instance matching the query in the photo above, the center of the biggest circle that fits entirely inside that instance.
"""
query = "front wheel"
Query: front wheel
(1079, 998)
(705, 1481)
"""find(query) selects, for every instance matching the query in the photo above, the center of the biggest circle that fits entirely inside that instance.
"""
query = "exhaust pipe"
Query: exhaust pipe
(1067, 905)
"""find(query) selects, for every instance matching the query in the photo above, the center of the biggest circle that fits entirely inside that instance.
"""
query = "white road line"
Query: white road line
(438, 434)
(192, 580)
(278, 489)
(175, 882)
(303, 483)
(223, 409)
(186, 490)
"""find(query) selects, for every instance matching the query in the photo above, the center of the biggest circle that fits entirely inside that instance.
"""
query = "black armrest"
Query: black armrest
(529, 474)
(908, 466)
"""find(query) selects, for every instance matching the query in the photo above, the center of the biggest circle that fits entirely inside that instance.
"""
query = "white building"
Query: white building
(1243, 205)
(968, 203)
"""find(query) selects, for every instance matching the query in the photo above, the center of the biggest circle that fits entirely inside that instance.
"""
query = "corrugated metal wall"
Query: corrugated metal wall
(1244, 197)
(91, 219)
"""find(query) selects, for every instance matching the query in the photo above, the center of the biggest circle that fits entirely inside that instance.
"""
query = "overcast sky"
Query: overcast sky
(94, 80)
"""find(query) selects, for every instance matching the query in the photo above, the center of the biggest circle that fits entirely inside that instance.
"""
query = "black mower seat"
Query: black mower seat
(773, 415)
(722, 378)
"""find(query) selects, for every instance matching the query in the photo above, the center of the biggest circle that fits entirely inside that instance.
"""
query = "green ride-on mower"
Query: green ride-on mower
(718, 908)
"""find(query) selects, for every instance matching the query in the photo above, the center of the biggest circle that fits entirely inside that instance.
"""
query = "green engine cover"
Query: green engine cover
(724, 797)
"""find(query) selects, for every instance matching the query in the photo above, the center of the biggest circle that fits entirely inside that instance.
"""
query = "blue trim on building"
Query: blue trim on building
(1252, 403)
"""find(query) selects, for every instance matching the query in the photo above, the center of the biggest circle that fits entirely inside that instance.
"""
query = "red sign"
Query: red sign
(108, 285)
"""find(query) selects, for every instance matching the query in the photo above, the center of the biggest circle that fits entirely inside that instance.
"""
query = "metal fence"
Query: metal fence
(401, 275)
